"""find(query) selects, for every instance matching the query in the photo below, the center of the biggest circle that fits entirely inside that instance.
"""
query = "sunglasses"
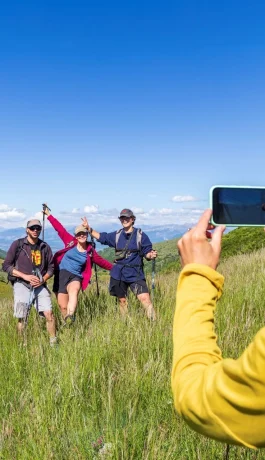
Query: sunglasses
(35, 227)
(81, 234)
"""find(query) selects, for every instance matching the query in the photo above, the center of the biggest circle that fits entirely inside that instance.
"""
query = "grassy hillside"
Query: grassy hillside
(2, 254)
(109, 381)
(239, 241)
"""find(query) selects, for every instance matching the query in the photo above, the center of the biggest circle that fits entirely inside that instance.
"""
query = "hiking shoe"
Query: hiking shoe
(53, 342)
(69, 320)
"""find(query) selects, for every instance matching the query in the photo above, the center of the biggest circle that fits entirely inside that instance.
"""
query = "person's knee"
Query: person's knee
(73, 292)
(122, 300)
(49, 315)
(144, 298)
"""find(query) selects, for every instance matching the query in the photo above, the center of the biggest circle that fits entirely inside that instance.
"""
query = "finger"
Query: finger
(217, 236)
(204, 221)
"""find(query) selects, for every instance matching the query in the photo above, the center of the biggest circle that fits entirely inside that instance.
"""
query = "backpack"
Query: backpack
(20, 242)
(122, 253)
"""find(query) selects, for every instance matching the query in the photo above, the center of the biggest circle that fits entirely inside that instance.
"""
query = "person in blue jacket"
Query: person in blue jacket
(131, 245)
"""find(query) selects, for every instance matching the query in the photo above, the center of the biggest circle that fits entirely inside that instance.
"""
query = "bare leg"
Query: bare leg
(148, 306)
(20, 326)
(50, 323)
(123, 306)
(62, 300)
(73, 289)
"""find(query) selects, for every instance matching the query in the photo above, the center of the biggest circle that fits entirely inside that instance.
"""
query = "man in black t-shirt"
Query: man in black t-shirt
(29, 263)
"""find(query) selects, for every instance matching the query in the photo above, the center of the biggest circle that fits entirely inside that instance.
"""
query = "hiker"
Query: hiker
(220, 398)
(131, 245)
(29, 266)
(73, 266)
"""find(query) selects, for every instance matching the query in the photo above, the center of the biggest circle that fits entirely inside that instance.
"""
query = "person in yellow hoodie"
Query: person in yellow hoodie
(223, 399)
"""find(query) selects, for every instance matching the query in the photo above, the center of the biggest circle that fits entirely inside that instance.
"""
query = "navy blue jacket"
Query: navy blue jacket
(129, 269)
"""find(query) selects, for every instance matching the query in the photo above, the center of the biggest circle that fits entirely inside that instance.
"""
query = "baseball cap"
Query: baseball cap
(32, 222)
(126, 213)
(80, 228)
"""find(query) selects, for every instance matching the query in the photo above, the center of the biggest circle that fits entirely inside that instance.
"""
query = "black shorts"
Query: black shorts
(61, 280)
(119, 288)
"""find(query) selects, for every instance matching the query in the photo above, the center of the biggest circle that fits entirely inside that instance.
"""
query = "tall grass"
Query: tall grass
(109, 379)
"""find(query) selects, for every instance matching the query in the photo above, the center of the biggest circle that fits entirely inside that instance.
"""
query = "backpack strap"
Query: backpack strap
(117, 237)
(139, 239)
(20, 243)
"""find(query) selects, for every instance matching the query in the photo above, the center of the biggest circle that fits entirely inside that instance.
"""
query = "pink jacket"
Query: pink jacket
(70, 241)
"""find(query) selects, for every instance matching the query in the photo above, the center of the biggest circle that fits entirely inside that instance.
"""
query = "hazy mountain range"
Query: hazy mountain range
(155, 233)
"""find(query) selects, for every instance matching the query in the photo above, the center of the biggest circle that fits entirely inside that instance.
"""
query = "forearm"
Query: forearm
(46, 277)
(222, 399)
(94, 233)
(18, 274)
(194, 316)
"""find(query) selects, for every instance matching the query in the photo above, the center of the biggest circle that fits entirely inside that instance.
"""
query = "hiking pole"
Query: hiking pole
(29, 304)
(44, 206)
(226, 452)
(96, 272)
(153, 279)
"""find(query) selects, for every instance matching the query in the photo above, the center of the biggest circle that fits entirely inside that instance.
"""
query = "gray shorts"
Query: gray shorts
(41, 295)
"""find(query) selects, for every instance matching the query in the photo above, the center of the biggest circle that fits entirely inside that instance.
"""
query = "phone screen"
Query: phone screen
(238, 206)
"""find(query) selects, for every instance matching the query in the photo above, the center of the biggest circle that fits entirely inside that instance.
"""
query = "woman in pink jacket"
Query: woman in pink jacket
(73, 266)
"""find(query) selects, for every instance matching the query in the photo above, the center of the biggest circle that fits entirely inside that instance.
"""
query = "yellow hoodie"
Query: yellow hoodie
(220, 398)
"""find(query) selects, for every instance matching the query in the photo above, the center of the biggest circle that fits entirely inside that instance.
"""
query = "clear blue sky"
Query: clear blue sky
(106, 105)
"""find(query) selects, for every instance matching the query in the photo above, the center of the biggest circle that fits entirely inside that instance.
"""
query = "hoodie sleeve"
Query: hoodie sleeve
(103, 263)
(50, 263)
(65, 236)
(8, 263)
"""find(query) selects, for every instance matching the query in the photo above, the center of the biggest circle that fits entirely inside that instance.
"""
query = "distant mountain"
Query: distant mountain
(156, 234)
(2, 254)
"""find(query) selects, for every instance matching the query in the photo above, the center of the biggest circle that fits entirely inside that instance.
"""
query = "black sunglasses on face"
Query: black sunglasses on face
(35, 227)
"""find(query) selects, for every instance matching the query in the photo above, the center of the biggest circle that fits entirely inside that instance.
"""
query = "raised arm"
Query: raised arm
(65, 236)
(222, 399)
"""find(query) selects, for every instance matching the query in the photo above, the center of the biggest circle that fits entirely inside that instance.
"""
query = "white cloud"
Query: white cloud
(4, 207)
(138, 210)
(183, 198)
(165, 211)
(8, 214)
(102, 219)
(91, 209)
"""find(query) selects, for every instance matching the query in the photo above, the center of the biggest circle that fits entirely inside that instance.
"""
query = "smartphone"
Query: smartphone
(238, 206)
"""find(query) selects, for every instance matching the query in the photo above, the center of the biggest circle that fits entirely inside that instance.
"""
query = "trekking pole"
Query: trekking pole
(96, 272)
(226, 452)
(153, 279)
(29, 304)
(44, 206)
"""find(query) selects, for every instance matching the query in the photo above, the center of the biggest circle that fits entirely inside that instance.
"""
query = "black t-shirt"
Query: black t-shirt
(35, 254)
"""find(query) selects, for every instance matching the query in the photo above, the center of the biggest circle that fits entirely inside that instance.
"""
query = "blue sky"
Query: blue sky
(106, 105)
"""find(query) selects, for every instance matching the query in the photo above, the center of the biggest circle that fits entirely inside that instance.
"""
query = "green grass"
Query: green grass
(110, 378)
